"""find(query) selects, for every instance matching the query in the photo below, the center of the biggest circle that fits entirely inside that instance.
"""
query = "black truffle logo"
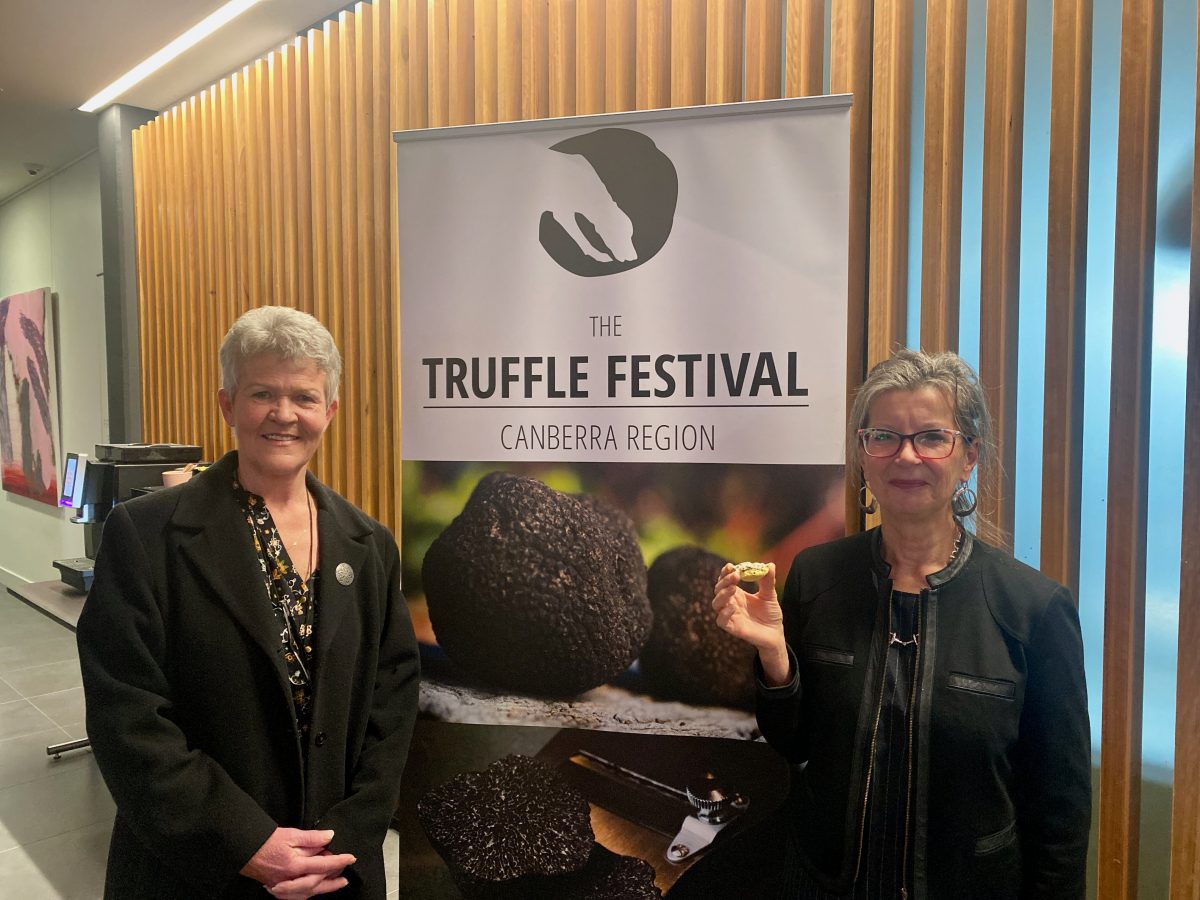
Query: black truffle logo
(623, 220)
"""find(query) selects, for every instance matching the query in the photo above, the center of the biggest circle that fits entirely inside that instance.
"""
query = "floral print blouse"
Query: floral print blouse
(292, 599)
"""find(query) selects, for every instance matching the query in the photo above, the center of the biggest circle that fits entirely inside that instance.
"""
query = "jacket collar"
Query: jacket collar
(211, 491)
(937, 579)
(221, 551)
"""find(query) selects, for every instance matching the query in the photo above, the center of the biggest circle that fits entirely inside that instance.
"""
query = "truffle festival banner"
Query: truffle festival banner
(622, 345)
(654, 287)
(623, 365)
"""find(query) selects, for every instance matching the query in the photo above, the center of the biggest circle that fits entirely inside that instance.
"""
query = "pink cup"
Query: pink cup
(172, 477)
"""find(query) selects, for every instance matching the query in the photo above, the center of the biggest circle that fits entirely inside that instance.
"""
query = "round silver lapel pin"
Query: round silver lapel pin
(344, 574)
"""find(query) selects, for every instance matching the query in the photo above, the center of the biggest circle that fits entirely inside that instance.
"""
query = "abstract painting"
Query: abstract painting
(28, 396)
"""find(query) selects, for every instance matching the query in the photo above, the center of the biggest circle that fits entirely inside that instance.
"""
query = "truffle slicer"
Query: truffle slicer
(716, 806)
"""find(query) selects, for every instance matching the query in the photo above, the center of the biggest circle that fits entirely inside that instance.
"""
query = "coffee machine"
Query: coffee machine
(93, 485)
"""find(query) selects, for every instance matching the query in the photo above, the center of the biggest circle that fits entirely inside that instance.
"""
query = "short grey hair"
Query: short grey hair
(910, 370)
(288, 332)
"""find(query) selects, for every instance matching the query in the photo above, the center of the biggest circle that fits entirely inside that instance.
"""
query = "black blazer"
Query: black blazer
(188, 702)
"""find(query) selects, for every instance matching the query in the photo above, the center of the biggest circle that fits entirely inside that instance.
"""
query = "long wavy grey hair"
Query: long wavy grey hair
(288, 332)
(910, 370)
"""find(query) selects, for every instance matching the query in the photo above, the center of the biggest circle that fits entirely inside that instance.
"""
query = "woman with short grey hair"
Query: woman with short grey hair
(928, 687)
(286, 332)
(249, 666)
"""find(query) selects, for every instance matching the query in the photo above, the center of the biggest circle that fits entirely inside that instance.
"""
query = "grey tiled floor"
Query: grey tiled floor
(56, 815)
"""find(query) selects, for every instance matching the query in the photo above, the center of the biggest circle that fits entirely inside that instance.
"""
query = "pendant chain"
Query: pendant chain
(894, 639)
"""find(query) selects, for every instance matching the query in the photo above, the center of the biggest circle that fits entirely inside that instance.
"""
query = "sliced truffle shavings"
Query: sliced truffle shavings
(607, 876)
(533, 590)
(610, 876)
(688, 656)
(517, 817)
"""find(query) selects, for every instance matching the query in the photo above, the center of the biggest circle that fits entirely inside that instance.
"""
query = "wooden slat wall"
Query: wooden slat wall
(590, 34)
(509, 57)
(277, 186)
(723, 51)
(687, 53)
(1000, 259)
(805, 55)
(652, 23)
(941, 237)
(380, 330)
(562, 57)
(620, 55)
(460, 41)
(764, 30)
(1066, 282)
(1129, 443)
(891, 119)
(850, 73)
(487, 62)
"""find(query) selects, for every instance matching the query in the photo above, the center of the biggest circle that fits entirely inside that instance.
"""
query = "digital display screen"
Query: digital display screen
(72, 491)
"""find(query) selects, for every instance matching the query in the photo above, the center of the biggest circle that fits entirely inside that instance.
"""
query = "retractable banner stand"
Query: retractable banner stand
(623, 364)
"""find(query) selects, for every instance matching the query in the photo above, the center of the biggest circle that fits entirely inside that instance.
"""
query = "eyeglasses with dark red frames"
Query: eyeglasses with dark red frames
(932, 443)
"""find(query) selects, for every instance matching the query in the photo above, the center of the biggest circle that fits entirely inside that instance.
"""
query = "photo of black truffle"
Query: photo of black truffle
(606, 876)
(626, 532)
(687, 656)
(532, 590)
(517, 817)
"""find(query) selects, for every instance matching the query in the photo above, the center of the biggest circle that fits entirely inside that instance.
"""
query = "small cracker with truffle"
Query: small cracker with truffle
(752, 571)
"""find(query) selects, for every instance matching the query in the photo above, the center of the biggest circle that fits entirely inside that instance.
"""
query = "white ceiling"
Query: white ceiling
(55, 54)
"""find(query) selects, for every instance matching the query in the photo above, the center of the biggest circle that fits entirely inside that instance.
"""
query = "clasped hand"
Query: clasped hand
(295, 864)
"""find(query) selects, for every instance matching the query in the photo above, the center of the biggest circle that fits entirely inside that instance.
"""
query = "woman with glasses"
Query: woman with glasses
(249, 666)
(928, 688)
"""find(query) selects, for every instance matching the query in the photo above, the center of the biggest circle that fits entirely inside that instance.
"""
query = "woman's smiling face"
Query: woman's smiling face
(278, 411)
(907, 486)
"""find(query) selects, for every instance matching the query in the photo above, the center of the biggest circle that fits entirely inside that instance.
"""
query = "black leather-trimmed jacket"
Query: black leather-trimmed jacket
(1002, 768)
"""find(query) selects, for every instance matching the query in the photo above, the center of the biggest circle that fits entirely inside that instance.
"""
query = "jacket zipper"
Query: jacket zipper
(912, 714)
(862, 824)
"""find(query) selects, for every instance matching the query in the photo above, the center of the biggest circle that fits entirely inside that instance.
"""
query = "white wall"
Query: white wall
(50, 237)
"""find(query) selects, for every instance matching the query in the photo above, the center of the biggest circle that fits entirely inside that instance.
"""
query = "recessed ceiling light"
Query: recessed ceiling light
(185, 41)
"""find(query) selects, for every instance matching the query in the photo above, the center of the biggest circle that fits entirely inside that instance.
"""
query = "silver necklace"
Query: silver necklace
(957, 546)
(312, 544)
(894, 639)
